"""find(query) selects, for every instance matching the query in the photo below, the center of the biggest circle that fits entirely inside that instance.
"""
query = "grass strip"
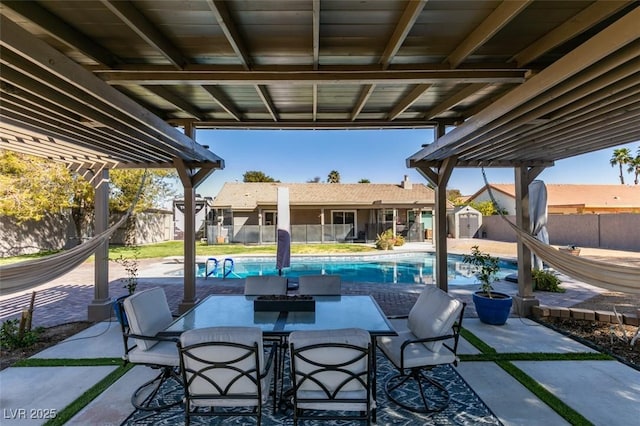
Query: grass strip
(67, 362)
(475, 341)
(72, 409)
(503, 360)
(521, 356)
(568, 413)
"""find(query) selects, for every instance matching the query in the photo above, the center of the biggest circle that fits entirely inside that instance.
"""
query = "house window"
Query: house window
(270, 218)
(386, 216)
(347, 217)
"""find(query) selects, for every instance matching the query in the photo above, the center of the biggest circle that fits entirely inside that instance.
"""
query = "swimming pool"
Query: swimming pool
(411, 268)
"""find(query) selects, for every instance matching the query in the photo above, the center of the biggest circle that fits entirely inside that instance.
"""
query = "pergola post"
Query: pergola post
(100, 307)
(525, 299)
(439, 179)
(190, 179)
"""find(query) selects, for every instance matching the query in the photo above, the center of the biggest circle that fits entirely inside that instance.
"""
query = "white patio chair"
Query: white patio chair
(265, 285)
(148, 313)
(428, 337)
(225, 367)
(330, 285)
(331, 371)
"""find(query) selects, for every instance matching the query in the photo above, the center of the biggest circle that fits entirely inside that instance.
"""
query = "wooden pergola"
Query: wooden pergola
(102, 84)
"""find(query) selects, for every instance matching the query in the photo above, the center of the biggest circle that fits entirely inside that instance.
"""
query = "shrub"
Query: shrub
(12, 338)
(386, 240)
(399, 241)
(546, 281)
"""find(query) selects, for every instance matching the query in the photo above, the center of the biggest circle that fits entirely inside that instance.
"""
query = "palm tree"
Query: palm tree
(334, 177)
(634, 167)
(620, 157)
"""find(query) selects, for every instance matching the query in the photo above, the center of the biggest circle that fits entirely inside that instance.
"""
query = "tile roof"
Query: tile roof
(587, 195)
(240, 195)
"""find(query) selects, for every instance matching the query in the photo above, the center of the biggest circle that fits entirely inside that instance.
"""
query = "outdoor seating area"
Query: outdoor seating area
(476, 388)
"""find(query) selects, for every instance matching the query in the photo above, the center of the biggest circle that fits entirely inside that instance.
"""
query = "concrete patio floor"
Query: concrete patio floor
(604, 392)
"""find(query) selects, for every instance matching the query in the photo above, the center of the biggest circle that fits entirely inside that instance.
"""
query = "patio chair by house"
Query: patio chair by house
(331, 371)
(265, 285)
(148, 313)
(224, 368)
(330, 285)
(428, 337)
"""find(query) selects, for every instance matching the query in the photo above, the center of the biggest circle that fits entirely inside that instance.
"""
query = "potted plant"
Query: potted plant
(492, 307)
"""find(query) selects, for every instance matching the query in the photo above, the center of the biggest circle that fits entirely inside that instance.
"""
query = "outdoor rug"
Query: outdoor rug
(465, 407)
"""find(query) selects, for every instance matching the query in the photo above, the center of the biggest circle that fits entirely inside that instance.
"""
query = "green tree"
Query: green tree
(32, 186)
(454, 195)
(316, 179)
(364, 180)
(487, 208)
(334, 177)
(620, 157)
(634, 167)
(125, 185)
(257, 176)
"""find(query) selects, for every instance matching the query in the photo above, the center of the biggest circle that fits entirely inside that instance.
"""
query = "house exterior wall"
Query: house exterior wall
(305, 216)
(607, 231)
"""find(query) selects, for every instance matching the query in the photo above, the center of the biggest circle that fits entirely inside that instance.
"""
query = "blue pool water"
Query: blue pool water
(414, 268)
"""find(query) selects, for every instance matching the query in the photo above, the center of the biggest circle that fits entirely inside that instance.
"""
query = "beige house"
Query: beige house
(570, 199)
(325, 212)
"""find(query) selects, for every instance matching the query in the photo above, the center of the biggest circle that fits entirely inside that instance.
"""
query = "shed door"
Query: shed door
(468, 224)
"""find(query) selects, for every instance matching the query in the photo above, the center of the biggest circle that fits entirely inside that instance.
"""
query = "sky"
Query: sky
(298, 156)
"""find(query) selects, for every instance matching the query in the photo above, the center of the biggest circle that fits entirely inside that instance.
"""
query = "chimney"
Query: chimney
(405, 183)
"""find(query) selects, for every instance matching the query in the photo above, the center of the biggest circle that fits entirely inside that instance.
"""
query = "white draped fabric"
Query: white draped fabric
(30, 273)
(538, 215)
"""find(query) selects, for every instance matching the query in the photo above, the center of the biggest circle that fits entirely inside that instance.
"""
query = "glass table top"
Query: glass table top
(331, 312)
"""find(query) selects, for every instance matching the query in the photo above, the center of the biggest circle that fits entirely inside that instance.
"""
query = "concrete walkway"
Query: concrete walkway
(604, 392)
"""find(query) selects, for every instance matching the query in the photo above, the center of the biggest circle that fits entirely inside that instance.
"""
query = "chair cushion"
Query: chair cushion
(433, 315)
(415, 355)
(330, 355)
(162, 353)
(148, 313)
(242, 335)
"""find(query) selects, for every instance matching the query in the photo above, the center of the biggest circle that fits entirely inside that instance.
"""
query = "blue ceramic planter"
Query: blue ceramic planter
(494, 311)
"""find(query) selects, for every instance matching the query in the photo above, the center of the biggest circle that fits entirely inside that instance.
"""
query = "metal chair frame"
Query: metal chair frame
(254, 375)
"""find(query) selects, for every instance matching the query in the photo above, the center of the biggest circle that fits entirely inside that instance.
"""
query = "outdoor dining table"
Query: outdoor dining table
(331, 312)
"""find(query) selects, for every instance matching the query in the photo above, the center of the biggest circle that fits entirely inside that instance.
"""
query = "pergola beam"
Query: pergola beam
(613, 38)
(407, 101)
(177, 101)
(311, 77)
(400, 32)
(147, 31)
(500, 17)
(221, 99)
(62, 31)
(454, 100)
(579, 23)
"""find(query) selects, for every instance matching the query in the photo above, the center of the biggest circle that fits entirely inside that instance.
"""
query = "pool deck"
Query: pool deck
(603, 392)
(65, 299)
